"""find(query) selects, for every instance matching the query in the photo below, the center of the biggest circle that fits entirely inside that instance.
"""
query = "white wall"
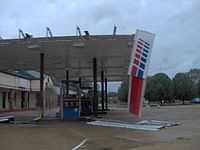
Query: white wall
(14, 104)
(35, 84)
(7, 104)
(18, 104)
(13, 82)
(0, 98)
(8, 82)
(6, 79)
(32, 99)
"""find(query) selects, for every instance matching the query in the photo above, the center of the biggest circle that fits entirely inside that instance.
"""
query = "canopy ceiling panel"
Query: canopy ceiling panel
(73, 53)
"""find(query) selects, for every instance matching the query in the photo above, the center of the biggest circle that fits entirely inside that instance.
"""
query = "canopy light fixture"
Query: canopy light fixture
(87, 33)
(48, 32)
(78, 31)
(79, 44)
(57, 62)
(114, 30)
(20, 63)
(34, 47)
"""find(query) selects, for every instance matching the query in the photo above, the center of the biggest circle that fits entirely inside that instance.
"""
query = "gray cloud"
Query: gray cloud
(175, 22)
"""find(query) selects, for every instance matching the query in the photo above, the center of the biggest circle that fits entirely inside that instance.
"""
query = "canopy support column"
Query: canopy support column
(95, 94)
(106, 93)
(67, 82)
(102, 90)
(41, 83)
(80, 82)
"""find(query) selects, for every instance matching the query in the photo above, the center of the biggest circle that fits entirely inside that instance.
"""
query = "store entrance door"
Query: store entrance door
(4, 100)
(22, 99)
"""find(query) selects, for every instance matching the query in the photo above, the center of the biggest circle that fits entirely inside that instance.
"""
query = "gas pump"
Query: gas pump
(71, 102)
(77, 104)
(86, 101)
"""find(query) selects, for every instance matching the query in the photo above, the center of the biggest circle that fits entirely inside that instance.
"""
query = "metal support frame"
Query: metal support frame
(48, 32)
(79, 99)
(41, 82)
(106, 93)
(61, 100)
(95, 93)
(102, 90)
(21, 33)
(67, 82)
(114, 30)
(25, 36)
(87, 33)
(78, 31)
(80, 82)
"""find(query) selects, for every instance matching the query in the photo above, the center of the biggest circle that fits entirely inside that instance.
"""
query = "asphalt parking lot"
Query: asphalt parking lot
(66, 135)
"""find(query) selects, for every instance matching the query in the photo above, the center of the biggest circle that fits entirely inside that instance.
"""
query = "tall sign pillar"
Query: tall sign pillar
(138, 68)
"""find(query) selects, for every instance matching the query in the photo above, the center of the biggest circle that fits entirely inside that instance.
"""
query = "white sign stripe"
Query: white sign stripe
(148, 39)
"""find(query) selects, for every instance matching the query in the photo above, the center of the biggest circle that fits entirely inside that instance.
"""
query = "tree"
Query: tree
(86, 84)
(123, 91)
(159, 88)
(112, 94)
(184, 87)
(147, 89)
(198, 88)
(194, 74)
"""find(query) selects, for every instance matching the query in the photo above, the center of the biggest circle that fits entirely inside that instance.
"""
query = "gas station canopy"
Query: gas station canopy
(72, 53)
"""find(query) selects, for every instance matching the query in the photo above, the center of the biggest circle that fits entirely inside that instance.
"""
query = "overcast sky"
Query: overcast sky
(176, 24)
